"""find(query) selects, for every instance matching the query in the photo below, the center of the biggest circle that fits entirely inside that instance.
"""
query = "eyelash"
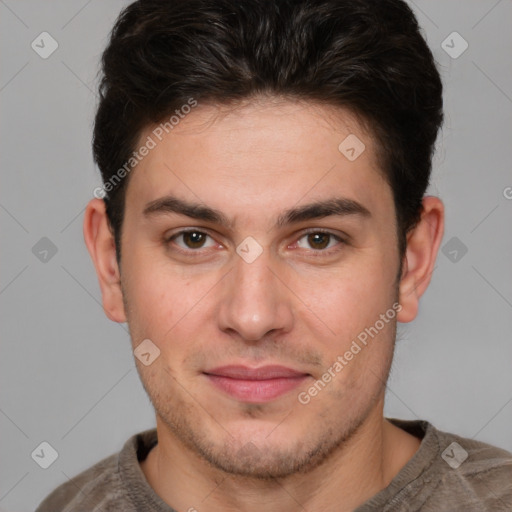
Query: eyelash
(188, 252)
(323, 252)
(316, 252)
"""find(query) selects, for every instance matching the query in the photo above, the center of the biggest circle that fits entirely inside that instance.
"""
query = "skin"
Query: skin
(299, 304)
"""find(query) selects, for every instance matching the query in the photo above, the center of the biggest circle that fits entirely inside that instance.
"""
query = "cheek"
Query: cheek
(346, 300)
(148, 294)
(164, 306)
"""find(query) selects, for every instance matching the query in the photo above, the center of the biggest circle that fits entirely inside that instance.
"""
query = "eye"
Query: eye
(318, 241)
(192, 240)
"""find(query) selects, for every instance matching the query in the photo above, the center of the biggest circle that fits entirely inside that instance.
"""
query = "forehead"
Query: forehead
(261, 156)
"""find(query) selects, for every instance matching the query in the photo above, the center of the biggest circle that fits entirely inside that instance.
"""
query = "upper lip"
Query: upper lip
(260, 373)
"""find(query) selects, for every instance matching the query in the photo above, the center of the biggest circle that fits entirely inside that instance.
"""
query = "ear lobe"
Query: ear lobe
(101, 246)
(420, 256)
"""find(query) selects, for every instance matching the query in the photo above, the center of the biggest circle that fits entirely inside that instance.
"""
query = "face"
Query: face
(255, 257)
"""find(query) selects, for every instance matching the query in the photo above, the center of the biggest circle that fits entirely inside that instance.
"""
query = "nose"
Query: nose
(254, 303)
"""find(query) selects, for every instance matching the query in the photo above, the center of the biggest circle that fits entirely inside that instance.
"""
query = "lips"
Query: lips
(255, 385)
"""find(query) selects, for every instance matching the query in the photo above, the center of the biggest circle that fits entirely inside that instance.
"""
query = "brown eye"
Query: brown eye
(318, 240)
(189, 240)
(194, 239)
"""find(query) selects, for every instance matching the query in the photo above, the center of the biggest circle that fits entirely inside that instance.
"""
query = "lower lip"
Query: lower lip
(256, 391)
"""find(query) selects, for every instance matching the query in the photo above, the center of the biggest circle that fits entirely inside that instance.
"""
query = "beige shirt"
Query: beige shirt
(448, 473)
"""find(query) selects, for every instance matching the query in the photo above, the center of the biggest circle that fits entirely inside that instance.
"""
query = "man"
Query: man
(262, 227)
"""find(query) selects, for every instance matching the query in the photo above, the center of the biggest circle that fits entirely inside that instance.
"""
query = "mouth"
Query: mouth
(255, 385)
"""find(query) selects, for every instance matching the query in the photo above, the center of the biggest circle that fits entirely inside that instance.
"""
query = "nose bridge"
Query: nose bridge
(254, 303)
(253, 281)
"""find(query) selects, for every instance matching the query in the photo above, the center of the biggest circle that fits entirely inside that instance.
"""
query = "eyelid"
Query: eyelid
(170, 238)
(191, 229)
(341, 238)
(336, 234)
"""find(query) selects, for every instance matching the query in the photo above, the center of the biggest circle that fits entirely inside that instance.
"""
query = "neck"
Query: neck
(361, 467)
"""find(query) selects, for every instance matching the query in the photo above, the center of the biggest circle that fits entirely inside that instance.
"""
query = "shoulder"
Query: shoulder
(482, 471)
(472, 457)
(106, 485)
(462, 473)
(87, 489)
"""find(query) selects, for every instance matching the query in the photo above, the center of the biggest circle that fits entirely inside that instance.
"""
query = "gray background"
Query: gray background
(67, 372)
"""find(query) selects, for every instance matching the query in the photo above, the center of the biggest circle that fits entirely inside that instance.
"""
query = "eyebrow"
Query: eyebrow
(170, 204)
(316, 210)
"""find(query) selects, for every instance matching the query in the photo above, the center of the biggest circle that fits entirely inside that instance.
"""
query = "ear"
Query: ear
(422, 246)
(100, 243)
